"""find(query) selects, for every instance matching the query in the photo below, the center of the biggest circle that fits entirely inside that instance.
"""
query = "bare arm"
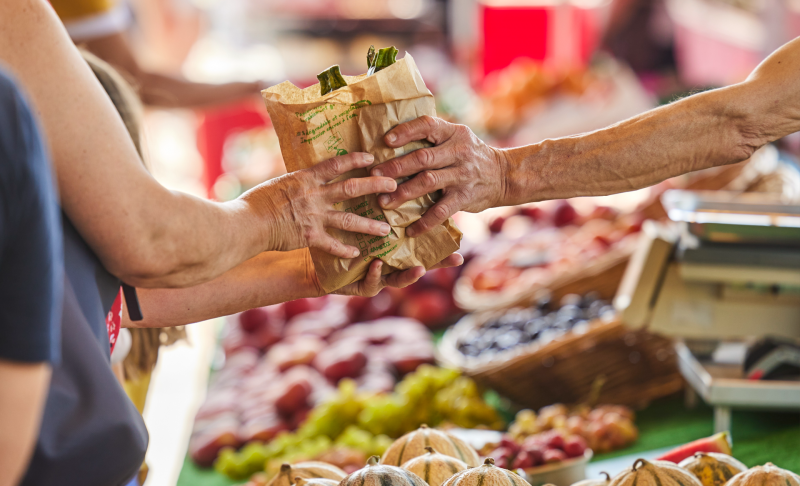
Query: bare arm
(269, 278)
(24, 388)
(162, 90)
(146, 235)
(709, 129)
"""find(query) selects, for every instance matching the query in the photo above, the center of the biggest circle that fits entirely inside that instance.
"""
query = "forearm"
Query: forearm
(269, 278)
(709, 129)
(143, 233)
(21, 406)
(161, 90)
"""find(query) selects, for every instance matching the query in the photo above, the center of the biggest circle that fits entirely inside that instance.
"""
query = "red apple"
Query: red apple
(430, 307)
(254, 319)
(321, 323)
(502, 457)
(496, 225)
(296, 307)
(604, 212)
(340, 360)
(294, 350)
(523, 461)
(207, 439)
(510, 444)
(355, 308)
(574, 446)
(564, 215)
(263, 428)
(554, 455)
(533, 212)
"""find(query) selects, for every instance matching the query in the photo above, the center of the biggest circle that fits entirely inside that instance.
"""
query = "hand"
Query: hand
(299, 205)
(470, 174)
(374, 282)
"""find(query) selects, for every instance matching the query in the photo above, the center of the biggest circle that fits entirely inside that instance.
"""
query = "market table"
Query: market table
(759, 437)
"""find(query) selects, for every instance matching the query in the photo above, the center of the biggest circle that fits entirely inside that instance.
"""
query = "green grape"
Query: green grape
(225, 459)
(254, 456)
(355, 438)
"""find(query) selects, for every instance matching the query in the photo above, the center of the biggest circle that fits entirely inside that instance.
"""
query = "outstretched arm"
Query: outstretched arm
(143, 233)
(163, 90)
(709, 129)
(269, 278)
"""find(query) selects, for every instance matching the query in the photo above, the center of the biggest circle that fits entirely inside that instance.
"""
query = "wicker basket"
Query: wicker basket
(636, 366)
(602, 275)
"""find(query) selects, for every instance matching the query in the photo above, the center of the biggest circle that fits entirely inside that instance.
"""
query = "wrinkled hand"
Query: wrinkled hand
(374, 282)
(470, 174)
(299, 206)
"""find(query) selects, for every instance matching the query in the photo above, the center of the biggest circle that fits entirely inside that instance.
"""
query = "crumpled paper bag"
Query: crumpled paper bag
(313, 128)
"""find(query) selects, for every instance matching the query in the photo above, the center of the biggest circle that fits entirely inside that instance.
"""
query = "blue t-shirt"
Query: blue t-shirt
(31, 246)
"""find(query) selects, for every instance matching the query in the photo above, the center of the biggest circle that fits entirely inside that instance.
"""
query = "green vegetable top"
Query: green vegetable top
(330, 80)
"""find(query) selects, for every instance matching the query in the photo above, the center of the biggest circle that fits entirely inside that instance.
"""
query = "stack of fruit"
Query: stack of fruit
(534, 246)
(543, 448)
(540, 324)
(604, 428)
(705, 462)
(349, 424)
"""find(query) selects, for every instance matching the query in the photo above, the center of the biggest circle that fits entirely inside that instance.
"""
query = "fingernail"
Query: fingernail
(355, 253)
(385, 200)
(369, 158)
(377, 172)
(385, 228)
(391, 137)
(390, 186)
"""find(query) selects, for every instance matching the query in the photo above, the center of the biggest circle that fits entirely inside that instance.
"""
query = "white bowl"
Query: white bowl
(562, 473)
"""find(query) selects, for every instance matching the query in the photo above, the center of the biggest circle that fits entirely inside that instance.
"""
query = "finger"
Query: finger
(454, 260)
(329, 244)
(358, 186)
(417, 161)
(425, 127)
(405, 277)
(373, 283)
(435, 215)
(330, 169)
(356, 224)
(423, 183)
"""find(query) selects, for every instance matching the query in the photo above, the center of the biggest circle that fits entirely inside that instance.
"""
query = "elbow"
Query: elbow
(149, 268)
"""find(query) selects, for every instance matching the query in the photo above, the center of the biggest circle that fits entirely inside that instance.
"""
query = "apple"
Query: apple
(300, 306)
(430, 307)
(294, 350)
(355, 308)
(254, 319)
(262, 428)
(535, 213)
(510, 444)
(502, 457)
(496, 225)
(523, 461)
(320, 323)
(340, 360)
(574, 446)
(604, 212)
(406, 357)
(209, 437)
(554, 455)
(564, 215)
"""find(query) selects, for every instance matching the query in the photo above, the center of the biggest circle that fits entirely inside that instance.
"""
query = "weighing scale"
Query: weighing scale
(722, 273)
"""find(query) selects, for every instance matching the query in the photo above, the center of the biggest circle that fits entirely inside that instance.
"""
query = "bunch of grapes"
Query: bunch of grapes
(461, 403)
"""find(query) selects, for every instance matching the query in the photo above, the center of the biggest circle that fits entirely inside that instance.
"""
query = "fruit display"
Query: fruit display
(434, 468)
(604, 428)
(716, 443)
(376, 474)
(520, 326)
(352, 424)
(487, 474)
(712, 468)
(289, 474)
(766, 475)
(655, 473)
(414, 444)
(537, 449)
(536, 247)
(283, 360)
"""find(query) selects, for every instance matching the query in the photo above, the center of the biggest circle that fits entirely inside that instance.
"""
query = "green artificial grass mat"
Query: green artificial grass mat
(758, 437)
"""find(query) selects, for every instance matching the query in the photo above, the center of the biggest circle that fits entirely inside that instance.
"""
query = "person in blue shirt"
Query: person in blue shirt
(31, 279)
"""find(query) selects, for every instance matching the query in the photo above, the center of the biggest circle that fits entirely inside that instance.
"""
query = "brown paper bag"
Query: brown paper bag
(313, 128)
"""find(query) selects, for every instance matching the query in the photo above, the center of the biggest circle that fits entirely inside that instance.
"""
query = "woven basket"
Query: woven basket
(601, 275)
(636, 366)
